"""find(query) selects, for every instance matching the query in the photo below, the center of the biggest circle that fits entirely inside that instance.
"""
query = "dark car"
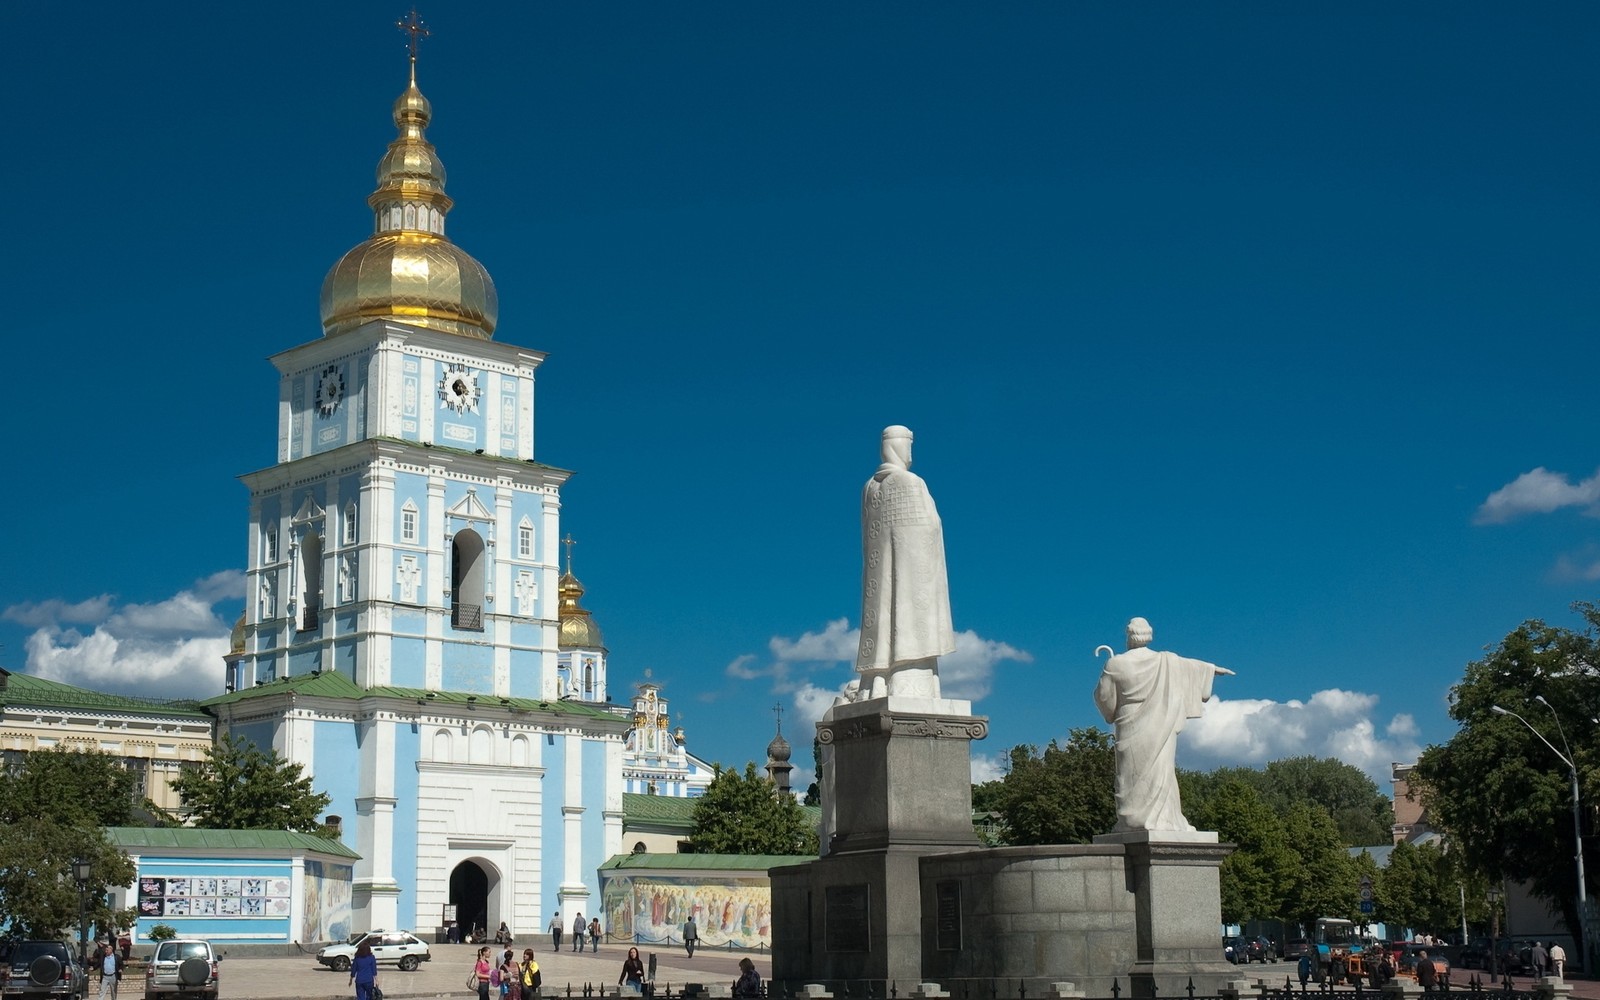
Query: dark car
(1236, 950)
(1412, 954)
(40, 970)
(1261, 949)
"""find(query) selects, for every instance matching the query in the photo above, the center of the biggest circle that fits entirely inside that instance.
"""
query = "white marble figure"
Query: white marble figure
(1147, 695)
(905, 594)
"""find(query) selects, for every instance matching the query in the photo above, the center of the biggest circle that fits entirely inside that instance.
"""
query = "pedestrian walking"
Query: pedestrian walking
(632, 977)
(691, 936)
(555, 930)
(1558, 960)
(1427, 972)
(108, 973)
(1540, 959)
(579, 925)
(594, 934)
(364, 971)
(1305, 969)
(482, 972)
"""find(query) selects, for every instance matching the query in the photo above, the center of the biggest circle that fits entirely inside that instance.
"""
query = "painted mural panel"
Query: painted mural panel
(652, 909)
(207, 896)
(327, 902)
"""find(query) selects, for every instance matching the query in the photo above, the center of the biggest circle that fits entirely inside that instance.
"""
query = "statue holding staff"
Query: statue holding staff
(1148, 695)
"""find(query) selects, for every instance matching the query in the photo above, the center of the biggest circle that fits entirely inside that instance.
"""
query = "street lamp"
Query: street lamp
(82, 870)
(1577, 810)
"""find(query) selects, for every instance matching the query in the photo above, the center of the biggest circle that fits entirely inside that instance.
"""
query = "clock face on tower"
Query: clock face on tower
(458, 390)
(330, 389)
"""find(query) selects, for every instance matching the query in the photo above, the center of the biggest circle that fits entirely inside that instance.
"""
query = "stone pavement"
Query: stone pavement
(300, 976)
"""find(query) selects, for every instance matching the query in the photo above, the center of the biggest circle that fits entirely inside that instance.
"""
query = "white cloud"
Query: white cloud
(1538, 492)
(988, 767)
(1334, 723)
(168, 649)
(52, 613)
(813, 668)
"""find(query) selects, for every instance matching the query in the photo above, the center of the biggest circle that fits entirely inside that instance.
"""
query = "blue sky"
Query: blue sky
(1273, 324)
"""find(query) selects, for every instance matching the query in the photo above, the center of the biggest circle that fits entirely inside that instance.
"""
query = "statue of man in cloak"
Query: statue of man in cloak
(905, 593)
(1148, 695)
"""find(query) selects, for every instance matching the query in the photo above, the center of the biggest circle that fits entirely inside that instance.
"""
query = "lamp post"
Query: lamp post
(82, 870)
(1494, 932)
(1577, 810)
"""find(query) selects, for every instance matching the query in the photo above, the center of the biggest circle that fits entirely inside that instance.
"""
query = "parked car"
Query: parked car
(36, 970)
(1410, 955)
(403, 948)
(1236, 950)
(1473, 956)
(182, 966)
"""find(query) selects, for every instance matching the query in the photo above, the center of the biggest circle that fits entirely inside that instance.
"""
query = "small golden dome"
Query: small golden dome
(578, 628)
(236, 640)
(409, 271)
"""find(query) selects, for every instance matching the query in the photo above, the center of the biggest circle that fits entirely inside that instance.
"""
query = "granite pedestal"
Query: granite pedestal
(901, 790)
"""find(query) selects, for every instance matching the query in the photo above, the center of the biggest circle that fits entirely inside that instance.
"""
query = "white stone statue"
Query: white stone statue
(905, 594)
(1147, 695)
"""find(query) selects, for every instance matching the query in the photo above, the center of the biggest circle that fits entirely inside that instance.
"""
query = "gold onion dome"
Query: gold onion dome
(408, 271)
(578, 628)
(236, 638)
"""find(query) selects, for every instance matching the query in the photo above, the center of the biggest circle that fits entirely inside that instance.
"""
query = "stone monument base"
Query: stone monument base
(1140, 912)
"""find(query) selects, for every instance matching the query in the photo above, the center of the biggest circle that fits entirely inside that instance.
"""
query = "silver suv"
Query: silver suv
(40, 970)
(183, 966)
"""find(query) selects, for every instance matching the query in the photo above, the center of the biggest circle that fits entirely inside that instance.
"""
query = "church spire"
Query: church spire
(408, 270)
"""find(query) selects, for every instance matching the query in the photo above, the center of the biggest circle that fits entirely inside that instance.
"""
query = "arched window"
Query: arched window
(468, 570)
(480, 746)
(519, 751)
(311, 581)
(441, 745)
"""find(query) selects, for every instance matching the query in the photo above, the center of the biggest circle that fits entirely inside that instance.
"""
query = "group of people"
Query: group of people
(508, 978)
(748, 984)
(1551, 961)
(580, 927)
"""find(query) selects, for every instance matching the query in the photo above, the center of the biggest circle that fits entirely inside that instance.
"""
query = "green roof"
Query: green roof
(26, 691)
(669, 810)
(237, 841)
(703, 862)
(333, 684)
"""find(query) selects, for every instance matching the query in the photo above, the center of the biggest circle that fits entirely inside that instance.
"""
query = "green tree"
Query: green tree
(1322, 877)
(38, 897)
(1360, 811)
(240, 787)
(71, 787)
(1497, 791)
(1255, 876)
(1065, 795)
(744, 814)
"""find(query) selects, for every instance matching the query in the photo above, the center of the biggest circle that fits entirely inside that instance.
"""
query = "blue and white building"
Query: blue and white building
(402, 629)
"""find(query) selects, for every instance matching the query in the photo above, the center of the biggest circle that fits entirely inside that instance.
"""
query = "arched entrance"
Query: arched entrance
(469, 893)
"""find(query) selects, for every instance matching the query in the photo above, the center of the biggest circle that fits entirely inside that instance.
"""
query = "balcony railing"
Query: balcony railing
(467, 616)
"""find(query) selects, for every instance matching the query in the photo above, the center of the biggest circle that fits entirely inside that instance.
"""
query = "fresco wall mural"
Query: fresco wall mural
(326, 915)
(652, 909)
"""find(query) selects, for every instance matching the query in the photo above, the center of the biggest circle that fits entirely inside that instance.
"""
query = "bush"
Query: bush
(163, 932)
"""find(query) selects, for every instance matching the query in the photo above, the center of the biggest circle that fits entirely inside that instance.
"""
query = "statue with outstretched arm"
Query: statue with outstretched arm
(1147, 695)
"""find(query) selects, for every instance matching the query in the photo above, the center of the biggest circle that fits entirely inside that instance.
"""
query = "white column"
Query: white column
(573, 891)
(613, 794)
(376, 893)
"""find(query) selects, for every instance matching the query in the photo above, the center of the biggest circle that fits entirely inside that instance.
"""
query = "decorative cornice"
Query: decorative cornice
(886, 725)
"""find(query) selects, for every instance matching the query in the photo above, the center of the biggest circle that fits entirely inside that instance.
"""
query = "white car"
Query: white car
(403, 948)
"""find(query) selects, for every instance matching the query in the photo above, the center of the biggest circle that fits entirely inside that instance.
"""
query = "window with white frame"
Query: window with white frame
(269, 544)
(525, 539)
(408, 522)
(349, 524)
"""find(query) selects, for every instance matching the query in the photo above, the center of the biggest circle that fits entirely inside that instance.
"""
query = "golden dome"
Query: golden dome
(578, 628)
(236, 639)
(409, 271)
